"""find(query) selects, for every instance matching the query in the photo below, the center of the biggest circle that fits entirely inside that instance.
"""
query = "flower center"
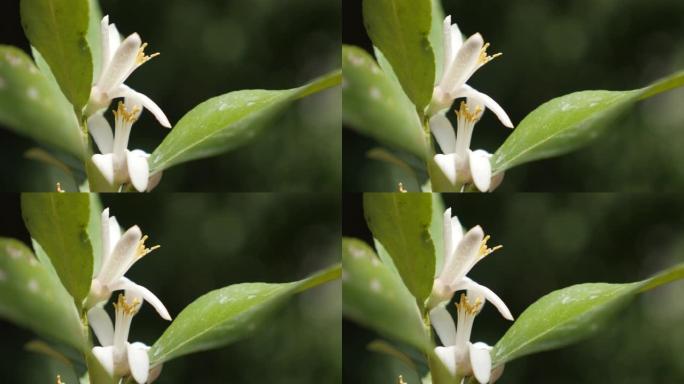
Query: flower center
(142, 250)
(484, 58)
(471, 308)
(125, 115)
(484, 250)
(126, 308)
(464, 112)
(141, 58)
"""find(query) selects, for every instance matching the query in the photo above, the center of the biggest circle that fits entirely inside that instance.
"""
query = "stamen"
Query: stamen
(141, 58)
(128, 116)
(484, 250)
(142, 250)
(401, 380)
(128, 309)
(401, 188)
(59, 380)
(484, 58)
(59, 187)
(471, 308)
(464, 112)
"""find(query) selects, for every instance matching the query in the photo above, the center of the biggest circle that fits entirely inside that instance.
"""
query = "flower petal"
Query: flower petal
(136, 290)
(449, 51)
(447, 164)
(481, 361)
(121, 64)
(478, 98)
(476, 290)
(138, 361)
(444, 325)
(480, 169)
(444, 133)
(464, 258)
(449, 245)
(448, 357)
(138, 169)
(105, 355)
(101, 132)
(464, 64)
(105, 164)
(122, 257)
(139, 98)
(102, 325)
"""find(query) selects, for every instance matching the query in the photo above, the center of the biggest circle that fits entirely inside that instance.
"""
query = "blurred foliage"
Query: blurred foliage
(209, 241)
(552, 241)
(551, 49)
(210, 48)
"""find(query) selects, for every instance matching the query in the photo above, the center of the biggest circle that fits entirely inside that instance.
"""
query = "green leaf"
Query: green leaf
(94, 229)
(57, 29)
(400, 29)
(401, 222)
(376, 297)
(570, 122)
(93, 36)
(436, 38)
(31, 297)
(571, 314)
(225, 315)
(228, 121)
(58, 222)
(33, 107)
(377, 107)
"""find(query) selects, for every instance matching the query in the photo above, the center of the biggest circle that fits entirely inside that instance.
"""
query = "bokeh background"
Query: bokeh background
(210, 241)
(552, 48)
(552, 241)
(209, 48)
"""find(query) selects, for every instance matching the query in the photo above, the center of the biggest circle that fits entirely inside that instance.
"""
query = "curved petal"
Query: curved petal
(478, 98)
(449, 244)
(104, 43)
(444, 133)
(480, 169)
(136, 290)
(122, 257)
(456, 231)
(114, 233)
(105, 355)
(465, 256)
(449, 52)
(478, 290)
(481, 361)
(444, 325)
(121, 64)
(456, 40)
(105, 164)
(448, 357)
(447, 164)
(102, 325)
(138, 361)
(114, 41)
(138, 169)
(101, 132)
(464, 64)
(139, 98)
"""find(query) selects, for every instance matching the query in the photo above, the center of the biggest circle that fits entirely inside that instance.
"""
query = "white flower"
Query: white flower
(461, 60)
(460, 356)
(458, 163)
(117, 356)
(116, 163)
(119, 253)
(119, 60)
(461, 253)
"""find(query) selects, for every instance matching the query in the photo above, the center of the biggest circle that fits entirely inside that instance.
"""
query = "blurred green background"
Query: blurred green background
(209, 48)
(210, 241)
(551, 241)
(552, 48)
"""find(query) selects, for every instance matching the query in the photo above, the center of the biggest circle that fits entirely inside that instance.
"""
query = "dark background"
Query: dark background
(207, 242)
(209, 48)
(552, 48)
(551, 241)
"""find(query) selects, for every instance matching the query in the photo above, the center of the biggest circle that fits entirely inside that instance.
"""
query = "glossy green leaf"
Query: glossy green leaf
(571, 314)
(570, 122)
(32, 106)
(375, 296)
(31, 297)
(401, 222)
(400, 29)
(225, 315)
(228, 121)
(375, 106)
(57, 29)
(58, 222)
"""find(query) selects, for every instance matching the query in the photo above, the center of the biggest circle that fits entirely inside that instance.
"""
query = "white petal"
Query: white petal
(463, 65)
(444, 133)
(448, 357)
(122, 257)
(114, 40)
(456, 40)
(136, 290)
(106, 238)
(465, 256)
(496, 181)
(105, 164)
(139, 361)
(104, 42)
(476, 290)
(456, 231)
(478, 98)
(105, 355)
(139, 98)
(102, 325)
(480, 169)
(138, 169)
(122, 63)
(444, 325)
(449, 51)
(481, 361)
(114, 233)
(449, 245)
(101, 132)
(447, 164)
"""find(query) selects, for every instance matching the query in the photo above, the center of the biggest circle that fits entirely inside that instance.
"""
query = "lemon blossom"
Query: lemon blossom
(119, 60)
(461, 60)
(117, 356)
(116, 163)
(119, 253)
(461, 253)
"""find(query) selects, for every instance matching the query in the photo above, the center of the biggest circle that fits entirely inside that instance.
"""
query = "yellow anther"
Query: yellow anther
(122, 112)
(142, 250)
(471, 308)
(141, 58)
(59, 187)
(484, 250)
(484, 58)
(401, 188)
(59, 380)
(128, 309)
(465, 112)
(401, 380)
